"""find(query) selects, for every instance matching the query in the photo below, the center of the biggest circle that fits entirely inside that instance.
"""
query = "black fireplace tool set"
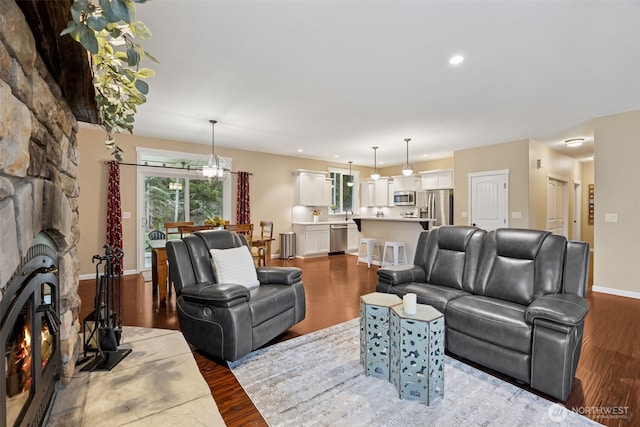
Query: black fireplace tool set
(102, 334)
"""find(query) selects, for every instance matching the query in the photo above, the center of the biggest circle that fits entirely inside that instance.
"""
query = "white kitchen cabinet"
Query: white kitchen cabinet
(311, 239)
(438, 179)
(353, 238)
(374, 193)
(404, 183)
(311, 188)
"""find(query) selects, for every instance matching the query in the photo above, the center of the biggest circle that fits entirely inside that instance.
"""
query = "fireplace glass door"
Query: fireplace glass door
(18, 365)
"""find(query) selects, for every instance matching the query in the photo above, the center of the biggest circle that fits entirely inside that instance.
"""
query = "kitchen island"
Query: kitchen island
(394, 228)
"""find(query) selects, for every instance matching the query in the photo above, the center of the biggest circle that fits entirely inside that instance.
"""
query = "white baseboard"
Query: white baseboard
(618, 292)
(93, 275)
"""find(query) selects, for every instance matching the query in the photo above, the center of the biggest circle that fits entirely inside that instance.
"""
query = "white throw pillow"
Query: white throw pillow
(235, 265)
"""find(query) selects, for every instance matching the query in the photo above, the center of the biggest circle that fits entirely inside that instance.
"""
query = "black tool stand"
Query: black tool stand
(101, 334)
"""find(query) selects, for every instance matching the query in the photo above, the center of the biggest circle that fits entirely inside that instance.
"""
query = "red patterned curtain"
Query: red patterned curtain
(114, 215)
(243, 214)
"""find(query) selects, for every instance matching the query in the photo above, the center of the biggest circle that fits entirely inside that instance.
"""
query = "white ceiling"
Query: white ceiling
(334, 78)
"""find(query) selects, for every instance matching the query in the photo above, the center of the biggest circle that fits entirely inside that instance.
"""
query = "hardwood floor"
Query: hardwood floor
(607, 387)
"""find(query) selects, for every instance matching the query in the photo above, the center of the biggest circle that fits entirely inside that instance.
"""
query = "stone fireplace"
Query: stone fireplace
(38, 171)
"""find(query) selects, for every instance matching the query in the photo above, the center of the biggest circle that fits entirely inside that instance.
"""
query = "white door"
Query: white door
(488, 194)
(556, 206)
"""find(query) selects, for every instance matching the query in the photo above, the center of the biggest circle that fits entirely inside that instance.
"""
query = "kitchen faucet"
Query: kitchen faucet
(346, 213)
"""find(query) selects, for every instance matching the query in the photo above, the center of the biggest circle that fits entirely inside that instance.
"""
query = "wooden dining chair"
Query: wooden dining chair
(185, 230)
(246, 230)
(172, 229)
(263, 242)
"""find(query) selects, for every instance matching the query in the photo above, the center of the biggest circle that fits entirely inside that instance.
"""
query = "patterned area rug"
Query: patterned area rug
(317, 380)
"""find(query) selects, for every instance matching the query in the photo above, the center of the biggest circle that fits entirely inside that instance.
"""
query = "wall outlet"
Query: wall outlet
(126, 215)
(516, 215)
(610, 217)
(464, 214)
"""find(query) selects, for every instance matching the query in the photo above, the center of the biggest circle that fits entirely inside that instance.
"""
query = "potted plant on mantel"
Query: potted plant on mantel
(107, 31)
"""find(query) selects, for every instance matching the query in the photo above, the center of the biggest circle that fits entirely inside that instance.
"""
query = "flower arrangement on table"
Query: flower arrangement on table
(216, 221)
(316, 212)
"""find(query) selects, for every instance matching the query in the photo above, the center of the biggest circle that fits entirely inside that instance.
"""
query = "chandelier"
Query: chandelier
(215, 168)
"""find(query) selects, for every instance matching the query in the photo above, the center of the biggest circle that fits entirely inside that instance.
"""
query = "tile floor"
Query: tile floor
(157, 384)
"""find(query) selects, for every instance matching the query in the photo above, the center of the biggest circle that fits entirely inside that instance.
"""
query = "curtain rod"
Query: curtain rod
(188, 168)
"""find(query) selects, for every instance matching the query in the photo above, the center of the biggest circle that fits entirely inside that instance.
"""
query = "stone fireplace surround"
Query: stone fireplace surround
(38, 170)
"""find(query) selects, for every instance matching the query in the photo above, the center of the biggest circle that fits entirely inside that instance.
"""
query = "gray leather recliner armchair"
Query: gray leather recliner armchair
(228, 320)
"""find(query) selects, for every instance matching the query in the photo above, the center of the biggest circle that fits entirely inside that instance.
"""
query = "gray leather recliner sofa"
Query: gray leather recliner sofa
(228, 320)
(513, 299)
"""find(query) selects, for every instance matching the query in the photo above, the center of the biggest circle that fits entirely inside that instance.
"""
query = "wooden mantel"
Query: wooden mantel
(66, 60)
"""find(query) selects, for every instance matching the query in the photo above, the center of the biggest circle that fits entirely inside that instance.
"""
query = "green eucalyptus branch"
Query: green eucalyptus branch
(107, 30)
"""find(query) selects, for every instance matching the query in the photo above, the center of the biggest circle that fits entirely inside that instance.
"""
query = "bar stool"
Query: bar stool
(372, 251)
(397, 249)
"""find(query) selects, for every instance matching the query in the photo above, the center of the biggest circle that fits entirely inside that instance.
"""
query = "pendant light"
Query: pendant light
(350, 182)
(374, 173)
(214, 169)
(407, 170)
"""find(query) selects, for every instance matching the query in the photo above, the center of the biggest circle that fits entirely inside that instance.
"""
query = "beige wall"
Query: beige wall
(512, 156)
(271, 187)
(617, 244)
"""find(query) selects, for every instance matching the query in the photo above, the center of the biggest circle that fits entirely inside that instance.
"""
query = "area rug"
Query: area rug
(317, 380)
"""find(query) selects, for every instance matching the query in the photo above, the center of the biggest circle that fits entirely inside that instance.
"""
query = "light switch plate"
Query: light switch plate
(464, 214)
(516, 215)
(126, 215)
(610, 217)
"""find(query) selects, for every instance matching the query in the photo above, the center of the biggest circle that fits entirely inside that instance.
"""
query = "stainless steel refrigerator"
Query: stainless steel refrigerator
(439, 205)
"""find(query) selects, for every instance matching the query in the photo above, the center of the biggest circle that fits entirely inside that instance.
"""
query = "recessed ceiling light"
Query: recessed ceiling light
(456, 60)
(335, 156)
(299, 150)
(574, 142)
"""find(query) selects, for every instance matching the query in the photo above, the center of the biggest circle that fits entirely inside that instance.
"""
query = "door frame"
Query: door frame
(472, 175)
(565, 200)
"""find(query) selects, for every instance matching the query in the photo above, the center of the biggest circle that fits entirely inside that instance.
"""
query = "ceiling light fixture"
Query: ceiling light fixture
(407, 170)
(456, 60)
(574, 142)
(350, 182)
(374, 173)
(214, 168)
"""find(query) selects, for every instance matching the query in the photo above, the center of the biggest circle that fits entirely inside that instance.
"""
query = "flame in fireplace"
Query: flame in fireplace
(23, 359)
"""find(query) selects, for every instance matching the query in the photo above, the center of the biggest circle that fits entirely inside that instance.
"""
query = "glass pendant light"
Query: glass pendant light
(407, 169)
(374, 173)
(350, 182)
(214, 169)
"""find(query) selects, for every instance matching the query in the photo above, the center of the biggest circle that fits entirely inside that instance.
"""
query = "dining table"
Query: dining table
(159, 268)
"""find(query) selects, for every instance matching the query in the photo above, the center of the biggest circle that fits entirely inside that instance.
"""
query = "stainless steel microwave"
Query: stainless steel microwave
(404, 198)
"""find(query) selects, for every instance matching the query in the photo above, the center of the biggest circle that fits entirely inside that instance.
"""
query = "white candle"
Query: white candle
(409, 301)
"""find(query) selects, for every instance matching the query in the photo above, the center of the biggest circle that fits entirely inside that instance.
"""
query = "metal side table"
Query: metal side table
(417, 353)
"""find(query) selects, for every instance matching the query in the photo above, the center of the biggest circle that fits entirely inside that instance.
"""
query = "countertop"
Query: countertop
(394, 218)
(367, 218)
(334, 222)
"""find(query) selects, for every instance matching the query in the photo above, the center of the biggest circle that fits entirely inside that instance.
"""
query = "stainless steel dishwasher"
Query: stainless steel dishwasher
(338, 239)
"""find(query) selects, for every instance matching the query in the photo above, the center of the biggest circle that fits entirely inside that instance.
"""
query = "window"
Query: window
(344, 197)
